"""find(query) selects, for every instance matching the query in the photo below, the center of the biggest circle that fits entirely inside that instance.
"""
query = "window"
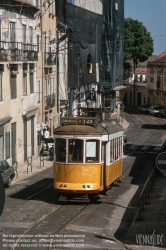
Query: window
(1, 147)
(38, 88)
(24, 36)
(151, 76)
(158, 80)
(52, 90)
(12, 35)
(116, 149)
(31, 35)
(5, 165)
(31, 76)
(31, 83)
(75, 150)
(61, 150)
(165, 99)
(24, 83)
(7, 140)
(46, 86)
(13, 86)
(1, 97)
(89, 63)
(38, 43)
(92, 151)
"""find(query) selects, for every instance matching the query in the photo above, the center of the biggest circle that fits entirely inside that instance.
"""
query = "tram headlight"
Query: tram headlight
(65, 185)
(83, 186)
(88, 186)
(60, 185)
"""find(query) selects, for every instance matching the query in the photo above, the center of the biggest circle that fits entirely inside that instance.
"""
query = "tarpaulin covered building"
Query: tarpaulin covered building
(93, 32)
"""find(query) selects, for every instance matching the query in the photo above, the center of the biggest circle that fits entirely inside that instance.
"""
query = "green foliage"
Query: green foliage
(138, 44)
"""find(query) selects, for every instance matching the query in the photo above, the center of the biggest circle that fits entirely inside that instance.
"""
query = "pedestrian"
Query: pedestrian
(46, 137)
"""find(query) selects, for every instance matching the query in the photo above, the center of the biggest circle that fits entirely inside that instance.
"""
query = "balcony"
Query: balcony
(49, 101)
(49, 58)
(16, 51)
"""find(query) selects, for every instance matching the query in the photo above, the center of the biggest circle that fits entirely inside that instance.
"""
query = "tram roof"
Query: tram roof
(77, 130)
(101, 129)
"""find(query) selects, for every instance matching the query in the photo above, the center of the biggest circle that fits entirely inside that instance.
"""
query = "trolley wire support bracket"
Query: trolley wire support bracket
(41, 160)
(29, 163)
(15, 165)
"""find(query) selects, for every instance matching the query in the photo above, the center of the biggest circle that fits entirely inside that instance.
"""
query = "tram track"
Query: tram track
(60, 214)
(153, 143)
(76, 211)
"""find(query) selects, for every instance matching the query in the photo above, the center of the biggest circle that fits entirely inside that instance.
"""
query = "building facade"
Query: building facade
(95, 51)
(27, 76)
(136, 81)
(156, 80)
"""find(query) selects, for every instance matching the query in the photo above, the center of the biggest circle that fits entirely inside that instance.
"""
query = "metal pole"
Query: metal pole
(134, 88)
(58, 89)
(78, 86)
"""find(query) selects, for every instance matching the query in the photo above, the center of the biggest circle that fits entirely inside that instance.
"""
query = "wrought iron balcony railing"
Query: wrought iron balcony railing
(16, 51)
(49, 101)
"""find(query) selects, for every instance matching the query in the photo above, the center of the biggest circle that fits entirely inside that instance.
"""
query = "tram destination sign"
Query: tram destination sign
(161, 163)
(78, 121)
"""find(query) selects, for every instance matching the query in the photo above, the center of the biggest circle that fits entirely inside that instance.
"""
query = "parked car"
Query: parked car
(154, 110)
(7, 172)
(162, 113)
(143, 108)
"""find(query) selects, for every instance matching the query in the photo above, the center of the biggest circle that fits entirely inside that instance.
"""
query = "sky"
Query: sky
(152, 13)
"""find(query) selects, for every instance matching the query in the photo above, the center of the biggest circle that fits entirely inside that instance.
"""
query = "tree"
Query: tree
(138, 44)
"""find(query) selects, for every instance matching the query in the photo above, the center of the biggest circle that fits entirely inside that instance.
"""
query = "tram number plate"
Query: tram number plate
(89, 121)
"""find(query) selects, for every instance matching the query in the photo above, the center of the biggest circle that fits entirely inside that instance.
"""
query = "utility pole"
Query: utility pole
(78, 86)
(134, 86)
(58, 89)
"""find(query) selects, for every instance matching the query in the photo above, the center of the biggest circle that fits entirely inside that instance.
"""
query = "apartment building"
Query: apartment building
(136, 81)
(156, 80)
(27, 75)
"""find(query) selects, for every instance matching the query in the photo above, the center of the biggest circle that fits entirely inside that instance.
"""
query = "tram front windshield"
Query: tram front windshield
(75, 150)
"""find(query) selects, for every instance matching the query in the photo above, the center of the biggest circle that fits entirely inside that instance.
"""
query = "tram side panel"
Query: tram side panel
(114, 159)
(113, 172)
(78, 178)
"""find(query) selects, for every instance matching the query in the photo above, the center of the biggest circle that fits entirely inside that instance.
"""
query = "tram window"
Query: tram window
(92, 151)
(75, 150)
(61, 150)
(115, 149)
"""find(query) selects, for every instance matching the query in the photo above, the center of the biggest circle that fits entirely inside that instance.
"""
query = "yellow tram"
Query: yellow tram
(88, 155)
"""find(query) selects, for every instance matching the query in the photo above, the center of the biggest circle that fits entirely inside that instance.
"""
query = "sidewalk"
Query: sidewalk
(153, 221)
(24, 170)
